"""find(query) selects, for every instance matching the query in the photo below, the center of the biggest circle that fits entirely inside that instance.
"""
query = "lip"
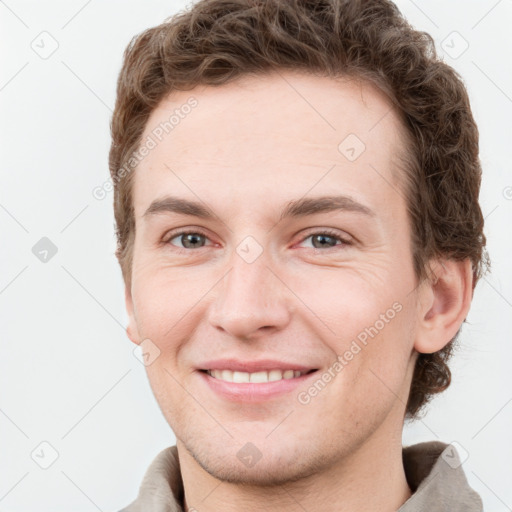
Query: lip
(236, 365)
(251, 392)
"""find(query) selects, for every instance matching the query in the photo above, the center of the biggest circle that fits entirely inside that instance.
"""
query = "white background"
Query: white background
(68, 375)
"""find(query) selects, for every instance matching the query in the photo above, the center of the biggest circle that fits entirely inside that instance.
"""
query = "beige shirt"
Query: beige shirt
(433, 471)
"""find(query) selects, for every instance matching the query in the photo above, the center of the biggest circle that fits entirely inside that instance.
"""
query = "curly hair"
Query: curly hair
(216, 41)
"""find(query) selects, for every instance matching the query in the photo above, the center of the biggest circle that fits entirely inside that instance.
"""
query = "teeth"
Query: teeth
(275, 375)
(256, 377)
(226, 375)
(240, 376)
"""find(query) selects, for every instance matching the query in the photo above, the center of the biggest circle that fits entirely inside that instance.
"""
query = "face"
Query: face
(263, 276)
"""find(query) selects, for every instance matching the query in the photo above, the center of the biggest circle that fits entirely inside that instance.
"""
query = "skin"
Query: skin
(247, 150)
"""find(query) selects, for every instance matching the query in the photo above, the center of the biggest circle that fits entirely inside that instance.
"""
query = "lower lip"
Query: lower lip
(253, 392)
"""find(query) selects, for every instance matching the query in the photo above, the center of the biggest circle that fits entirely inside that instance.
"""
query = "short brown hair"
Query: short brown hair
(217, 41)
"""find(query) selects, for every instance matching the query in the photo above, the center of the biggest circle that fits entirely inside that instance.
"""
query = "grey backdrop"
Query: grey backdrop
(78, 422)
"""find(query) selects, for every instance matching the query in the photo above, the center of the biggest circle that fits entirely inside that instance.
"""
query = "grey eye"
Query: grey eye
(190, 240)
(323, 241)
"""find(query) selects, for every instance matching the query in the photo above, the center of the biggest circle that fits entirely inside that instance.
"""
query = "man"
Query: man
(296, 199)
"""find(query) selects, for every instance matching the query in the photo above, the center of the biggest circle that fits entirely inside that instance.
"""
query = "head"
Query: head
(354, 104)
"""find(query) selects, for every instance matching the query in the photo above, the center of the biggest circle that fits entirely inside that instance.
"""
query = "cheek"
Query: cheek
(342, 302)
(367, 325)
(167, 300)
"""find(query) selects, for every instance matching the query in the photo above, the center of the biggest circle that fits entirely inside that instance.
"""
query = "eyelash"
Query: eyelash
(328, 232)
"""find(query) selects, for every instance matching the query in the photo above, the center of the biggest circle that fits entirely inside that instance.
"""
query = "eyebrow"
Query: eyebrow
(298, 208)
(324, 204)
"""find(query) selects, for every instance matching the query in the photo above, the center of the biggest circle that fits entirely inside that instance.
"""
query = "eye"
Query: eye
(188, 239)
(194, 239)
(326, 239)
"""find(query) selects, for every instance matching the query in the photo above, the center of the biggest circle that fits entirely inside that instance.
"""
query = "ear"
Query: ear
(444, 302)
(131, 330)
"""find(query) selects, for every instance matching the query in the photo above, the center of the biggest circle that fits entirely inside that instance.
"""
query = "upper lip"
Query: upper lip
(252, 366)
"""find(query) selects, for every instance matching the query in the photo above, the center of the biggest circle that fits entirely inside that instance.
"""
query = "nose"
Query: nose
(251, 302)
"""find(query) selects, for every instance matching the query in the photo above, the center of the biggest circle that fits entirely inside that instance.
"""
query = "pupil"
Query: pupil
(323, 238)
(192, 238)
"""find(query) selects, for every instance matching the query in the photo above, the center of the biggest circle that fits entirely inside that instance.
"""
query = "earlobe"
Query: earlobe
(131, 329)
(445, 299)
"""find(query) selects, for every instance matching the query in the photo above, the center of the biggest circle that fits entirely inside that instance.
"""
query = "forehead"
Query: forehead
(255, 133)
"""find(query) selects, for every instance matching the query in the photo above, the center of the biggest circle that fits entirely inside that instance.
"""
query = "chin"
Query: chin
(276, 465)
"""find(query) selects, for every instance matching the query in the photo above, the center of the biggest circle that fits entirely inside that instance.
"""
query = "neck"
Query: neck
(372, 478)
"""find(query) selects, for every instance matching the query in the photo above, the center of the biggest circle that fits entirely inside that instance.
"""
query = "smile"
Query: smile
(254, 386)
(255, 377)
